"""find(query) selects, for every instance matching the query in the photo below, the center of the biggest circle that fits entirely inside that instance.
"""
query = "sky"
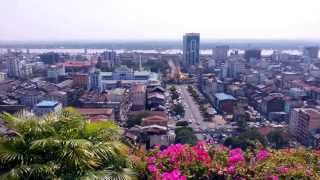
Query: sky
(158, 19)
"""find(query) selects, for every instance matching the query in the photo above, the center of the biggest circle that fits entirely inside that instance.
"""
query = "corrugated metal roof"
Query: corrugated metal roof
(224, 96)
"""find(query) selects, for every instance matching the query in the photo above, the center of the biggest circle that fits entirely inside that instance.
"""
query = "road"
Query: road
(192, 111)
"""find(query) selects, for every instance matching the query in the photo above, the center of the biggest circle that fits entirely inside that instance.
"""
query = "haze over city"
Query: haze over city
(158, 19)
(159, 89)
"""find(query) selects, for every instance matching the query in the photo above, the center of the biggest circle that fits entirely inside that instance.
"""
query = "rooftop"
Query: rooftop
(95, 111)
(47, 104)
(224, 96)
(79, 63)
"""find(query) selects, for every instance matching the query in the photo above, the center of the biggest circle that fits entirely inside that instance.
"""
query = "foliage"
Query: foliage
(204, 161)
(178, 109)
(182, 123)
(174, 93)
(277, 139)
(184, 135)
(63, 146)
(173, 89)
(136, 119)
(156, 66)
(250, 138)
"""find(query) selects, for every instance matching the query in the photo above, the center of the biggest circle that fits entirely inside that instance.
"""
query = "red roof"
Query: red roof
(79, 63)
(94, 111)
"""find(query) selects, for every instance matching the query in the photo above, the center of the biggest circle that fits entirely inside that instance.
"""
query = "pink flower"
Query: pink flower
(151, 160)
(235, 159)
(262, 154)
(283, 170)
(273, 178)
(201, 154)
(231, 169)
(152, 169)
(235, 151)
(235, 156)
(173, 175)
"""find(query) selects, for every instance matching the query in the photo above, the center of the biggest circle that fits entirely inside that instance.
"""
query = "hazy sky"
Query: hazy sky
(158, 19)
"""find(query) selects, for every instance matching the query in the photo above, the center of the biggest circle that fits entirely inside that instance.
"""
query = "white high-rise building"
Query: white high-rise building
(18, 68)
(235, 66)
(3, 76)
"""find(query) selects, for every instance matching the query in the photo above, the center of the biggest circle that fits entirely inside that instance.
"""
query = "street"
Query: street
(192, 112)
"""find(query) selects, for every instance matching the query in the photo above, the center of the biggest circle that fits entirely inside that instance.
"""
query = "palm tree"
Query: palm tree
(63, 146)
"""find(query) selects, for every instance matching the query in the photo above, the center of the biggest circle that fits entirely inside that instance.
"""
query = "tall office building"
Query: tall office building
(250, 54)
(235, 65)
(14, 67)
(220, 53)
(191, 47)
(311, 52)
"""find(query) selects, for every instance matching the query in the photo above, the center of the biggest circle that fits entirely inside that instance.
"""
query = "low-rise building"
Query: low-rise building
(94, 114)
(224, 103)
(138, 97)
(3, 76)
(80, 80)
(155, 120)
(274, 102)
(121, 76)
(46, 107)
(117, 99)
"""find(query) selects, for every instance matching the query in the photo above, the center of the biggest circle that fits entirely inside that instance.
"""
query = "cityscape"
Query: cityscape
(186, 108)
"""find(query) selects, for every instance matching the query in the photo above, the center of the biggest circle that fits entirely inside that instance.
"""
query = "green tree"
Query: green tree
(174, 95)
(156, 66)
(173, 89)
(249, 138)
(182, 123)
(136, 119)
(178, 109)
(184, 135)
(63, 146)
(277, 139)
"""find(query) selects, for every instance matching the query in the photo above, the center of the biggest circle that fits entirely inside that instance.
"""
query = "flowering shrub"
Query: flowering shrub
(202, 161)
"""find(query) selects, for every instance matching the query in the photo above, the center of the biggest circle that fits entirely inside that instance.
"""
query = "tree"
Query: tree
(173, 89)
(277, 139)
(136, 119)
(174, 95)
(184, 135)
(182, 123)
(178, 109)
(64, 145)
(249, 138)
(253, 135)
(242, 122)
(156, 66)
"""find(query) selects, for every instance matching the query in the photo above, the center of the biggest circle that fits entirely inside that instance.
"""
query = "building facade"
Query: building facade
(138, 97)
(311, 52)
(191, 49)
(302, 122)
(250, 54)
(220, 53)
(46, 107)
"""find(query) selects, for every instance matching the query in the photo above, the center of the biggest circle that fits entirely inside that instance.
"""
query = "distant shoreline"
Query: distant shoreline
(158, 44)
(264, 52)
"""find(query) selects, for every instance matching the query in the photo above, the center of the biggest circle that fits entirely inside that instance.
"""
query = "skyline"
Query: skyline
(39, 20)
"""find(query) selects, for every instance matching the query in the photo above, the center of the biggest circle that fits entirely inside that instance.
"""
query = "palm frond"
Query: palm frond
(12, 151)
(111, 174)
(77, 154)
(102, 131)
(46, 144)
(34, 171)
